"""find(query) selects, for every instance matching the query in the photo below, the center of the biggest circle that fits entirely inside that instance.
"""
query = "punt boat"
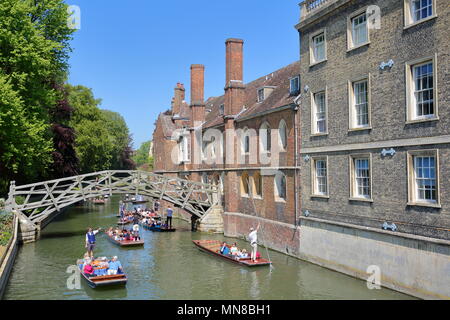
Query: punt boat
(119, 279)
(213, 247)
(125, 243)
(157, 228)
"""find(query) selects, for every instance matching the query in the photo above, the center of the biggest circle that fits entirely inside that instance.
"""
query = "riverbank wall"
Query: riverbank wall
(8, 258)
(414, 265)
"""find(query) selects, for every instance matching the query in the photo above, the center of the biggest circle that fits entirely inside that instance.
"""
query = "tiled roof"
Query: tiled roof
(167, 124)
(279, 97)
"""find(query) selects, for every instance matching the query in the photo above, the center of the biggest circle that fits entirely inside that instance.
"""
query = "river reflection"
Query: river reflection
(168, 267)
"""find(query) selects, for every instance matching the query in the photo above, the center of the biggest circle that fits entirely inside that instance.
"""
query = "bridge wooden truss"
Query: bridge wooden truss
(42, 199)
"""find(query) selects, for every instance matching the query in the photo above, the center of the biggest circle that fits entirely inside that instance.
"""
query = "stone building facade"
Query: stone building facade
(375, 114)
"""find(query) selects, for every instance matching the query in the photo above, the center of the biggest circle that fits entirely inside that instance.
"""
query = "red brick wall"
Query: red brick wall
(277, 236)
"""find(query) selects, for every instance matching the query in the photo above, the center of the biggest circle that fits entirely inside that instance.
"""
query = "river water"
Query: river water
(168, 267)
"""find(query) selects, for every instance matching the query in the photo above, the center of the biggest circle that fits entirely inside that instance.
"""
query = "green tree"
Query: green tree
(34, 47)
(142, 156)
(102, 136)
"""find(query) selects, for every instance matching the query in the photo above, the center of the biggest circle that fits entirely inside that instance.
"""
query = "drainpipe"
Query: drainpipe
(296, 183)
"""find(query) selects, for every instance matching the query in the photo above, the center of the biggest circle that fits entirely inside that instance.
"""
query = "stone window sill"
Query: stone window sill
(413, 121)
(413, 24)
(425, 204)
(358, 46)
(361, 199)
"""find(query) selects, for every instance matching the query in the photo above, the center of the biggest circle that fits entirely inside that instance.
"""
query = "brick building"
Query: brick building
(374, 113)
(243, 141)
(342, 156)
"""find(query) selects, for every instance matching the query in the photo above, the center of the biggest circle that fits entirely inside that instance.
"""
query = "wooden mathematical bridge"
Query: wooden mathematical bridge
(42, 201)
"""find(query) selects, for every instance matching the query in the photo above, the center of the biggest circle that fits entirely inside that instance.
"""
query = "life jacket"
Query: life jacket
(91, 237)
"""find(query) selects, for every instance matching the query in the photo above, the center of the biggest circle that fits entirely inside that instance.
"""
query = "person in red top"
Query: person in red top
(89, 270)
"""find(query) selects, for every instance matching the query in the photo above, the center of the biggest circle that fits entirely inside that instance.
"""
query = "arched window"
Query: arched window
(280, 186)
(245, 185)
(282, 134)
(257, 184)
(245, 141)
(265, 137)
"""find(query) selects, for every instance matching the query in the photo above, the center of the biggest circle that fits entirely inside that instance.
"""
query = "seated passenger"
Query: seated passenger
(114, 266)
(89, 270)
(224, 249)
(234, 249)
(243, 254)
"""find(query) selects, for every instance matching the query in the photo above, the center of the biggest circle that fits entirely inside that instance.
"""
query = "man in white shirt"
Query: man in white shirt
(253, 238)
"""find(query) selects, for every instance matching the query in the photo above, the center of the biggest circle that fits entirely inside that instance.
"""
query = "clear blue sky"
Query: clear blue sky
(132, 53)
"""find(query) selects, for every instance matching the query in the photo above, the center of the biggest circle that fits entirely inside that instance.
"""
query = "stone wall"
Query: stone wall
(7, 260)
(278, 236)
(413, 265)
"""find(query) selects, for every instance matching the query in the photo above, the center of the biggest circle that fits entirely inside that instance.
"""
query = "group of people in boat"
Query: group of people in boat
(100, 267)
(124, 234)
(234, 252)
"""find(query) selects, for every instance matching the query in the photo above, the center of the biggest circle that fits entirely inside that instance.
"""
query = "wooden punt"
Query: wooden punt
(103, 281)
(98, 201)
(123, 223)
(139, 201)
(213, 247)
(125, 243)
(157, 228)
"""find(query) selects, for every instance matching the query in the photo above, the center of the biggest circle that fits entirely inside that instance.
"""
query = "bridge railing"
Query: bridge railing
(44, 198)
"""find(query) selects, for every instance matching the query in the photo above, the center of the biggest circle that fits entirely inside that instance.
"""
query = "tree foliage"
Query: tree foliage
(142, 156)
(34, 47)
(102, 136)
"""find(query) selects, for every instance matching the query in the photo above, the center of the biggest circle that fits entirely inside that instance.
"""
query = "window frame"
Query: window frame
(314, 185)
(268, 137)
(314, 131)
(352, 175)
(283, 146)
(255, 193)
(350, 45)
(409, 19)
(291, 92)
(259, 99)
(412, 187)
(352, 104)
(410, 90)
(246, 176)
(276, 191)
(312, 57)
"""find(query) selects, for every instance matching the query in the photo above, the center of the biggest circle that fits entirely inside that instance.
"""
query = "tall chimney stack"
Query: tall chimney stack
(234, 86)
(178, 98)
(234, 101)
(197, 94)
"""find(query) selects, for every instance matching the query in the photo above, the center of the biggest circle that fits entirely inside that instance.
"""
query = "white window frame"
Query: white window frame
(312, 56)
(280, 175)
(354, 195)
(184, 149)
(411, 106)
(297, 91)
(315, 193)
(409, 19)
(352, 123)
(258, 93)
(314, 128)
(412, 182)
(350, 44)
